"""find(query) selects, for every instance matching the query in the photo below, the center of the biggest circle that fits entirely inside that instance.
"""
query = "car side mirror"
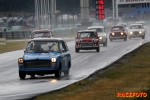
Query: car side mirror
(24, 51)
(63, 50)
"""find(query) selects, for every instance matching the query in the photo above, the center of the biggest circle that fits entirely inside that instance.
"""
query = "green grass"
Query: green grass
(129, 74)
(12, 46)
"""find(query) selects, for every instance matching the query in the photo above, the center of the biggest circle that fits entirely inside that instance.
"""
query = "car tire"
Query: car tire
(32, 75)
(143, 37)
(125, 39)
(22, 75)
(97, 49)
(111, 40)
(105, 44)
(77, 50)
(58, 72)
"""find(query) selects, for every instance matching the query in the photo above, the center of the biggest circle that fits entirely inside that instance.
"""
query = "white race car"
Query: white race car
(143, 23)
(101, 33)
(136, 30)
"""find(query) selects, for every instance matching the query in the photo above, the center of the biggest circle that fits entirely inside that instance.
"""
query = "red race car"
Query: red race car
(45, 33)
(87, 40)
(118, 32)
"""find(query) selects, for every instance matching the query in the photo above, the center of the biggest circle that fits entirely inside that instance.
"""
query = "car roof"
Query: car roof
(87, 31)
(45, 39)
(136, 24)
(42, 30)
(96, 27)
(140, 22)
(118, 25)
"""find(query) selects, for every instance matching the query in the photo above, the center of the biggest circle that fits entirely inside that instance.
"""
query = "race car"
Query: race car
(44, 33)
(125, 25)
(45, 56)
(143, 23)
(118, 32)
(101, 34)
(87, 40)
(136, 30)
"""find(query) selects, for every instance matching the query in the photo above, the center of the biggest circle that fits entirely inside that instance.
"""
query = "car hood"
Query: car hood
(101, 34)
(136, 29)
(116, 31)
(86, 39)
(40, 56)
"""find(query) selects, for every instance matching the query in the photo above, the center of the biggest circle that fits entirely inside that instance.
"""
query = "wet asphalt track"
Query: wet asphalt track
(83, 64)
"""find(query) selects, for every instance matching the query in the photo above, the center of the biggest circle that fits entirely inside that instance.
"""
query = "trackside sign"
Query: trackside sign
(132, 1)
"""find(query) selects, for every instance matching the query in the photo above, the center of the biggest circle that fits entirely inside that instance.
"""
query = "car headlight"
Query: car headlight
(131, 32)
(113, 33)
(121, 33)
(95, 40)
(100, 38)
(20, 60)
(140, 32)
(53, 59)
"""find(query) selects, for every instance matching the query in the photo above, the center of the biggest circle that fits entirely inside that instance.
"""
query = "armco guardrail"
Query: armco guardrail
(56, 33)
(15, 34)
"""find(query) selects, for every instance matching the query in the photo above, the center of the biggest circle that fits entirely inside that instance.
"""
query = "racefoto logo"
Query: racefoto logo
(131, 94)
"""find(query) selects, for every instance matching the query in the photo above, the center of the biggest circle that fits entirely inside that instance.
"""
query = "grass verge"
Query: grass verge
(12, 46)
(129, 74)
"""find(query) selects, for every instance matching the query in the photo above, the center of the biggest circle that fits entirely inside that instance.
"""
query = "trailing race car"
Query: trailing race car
(101, 34)
(118, 32)
(87, 40)
(136, 30)
(45, 33)
(45, 56)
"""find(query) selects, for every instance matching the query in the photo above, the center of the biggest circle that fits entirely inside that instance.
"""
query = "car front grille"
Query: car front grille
(135, 32)
(37, 64)
(87, 44)
(118, 34)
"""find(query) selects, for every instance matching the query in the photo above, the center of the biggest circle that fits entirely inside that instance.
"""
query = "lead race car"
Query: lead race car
(45, 56)
(87, 40)
(136, 30)
(101, 34)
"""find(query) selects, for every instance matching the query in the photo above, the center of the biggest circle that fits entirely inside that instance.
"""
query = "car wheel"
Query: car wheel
(22, 75)
(125, 39)
(32, 75)
(58, 72)
(66, 73)
(143, 37)
(105, 44)
(111, 40)
(77, 50)
(97, 49)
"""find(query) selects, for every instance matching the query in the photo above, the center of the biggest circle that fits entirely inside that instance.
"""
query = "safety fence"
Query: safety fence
(15, 34)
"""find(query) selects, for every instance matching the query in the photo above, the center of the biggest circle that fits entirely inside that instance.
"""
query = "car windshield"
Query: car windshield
(135, 27)
(41, 34)
(117, 28)
(97, 29)
(87, 34)
(43, 46)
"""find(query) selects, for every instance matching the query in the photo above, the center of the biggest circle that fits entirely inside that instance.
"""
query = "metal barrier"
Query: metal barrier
(15, 34)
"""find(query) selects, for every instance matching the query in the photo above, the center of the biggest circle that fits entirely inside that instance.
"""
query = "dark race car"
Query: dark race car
(87, 40)
(118, 32)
